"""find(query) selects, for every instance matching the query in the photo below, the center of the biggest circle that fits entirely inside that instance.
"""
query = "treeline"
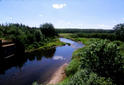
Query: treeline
(83, 31)
(110, 36)
(116, 34)
(28, 37)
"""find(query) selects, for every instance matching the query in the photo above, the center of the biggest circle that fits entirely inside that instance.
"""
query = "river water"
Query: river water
(37, 66)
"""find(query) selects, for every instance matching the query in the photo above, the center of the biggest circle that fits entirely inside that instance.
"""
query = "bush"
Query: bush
(84, 77)
(103, 57)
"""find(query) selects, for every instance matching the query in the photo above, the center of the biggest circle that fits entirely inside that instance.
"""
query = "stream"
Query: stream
(37, 66)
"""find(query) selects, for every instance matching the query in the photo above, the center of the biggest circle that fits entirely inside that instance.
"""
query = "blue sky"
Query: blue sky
(63, 13)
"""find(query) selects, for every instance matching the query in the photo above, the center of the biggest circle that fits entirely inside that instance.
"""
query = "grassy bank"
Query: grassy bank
(88, 41)
(53, 43)
(72, 68)
(73, 72)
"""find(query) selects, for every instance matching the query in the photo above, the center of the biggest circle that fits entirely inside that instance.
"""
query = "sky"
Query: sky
(104, 14)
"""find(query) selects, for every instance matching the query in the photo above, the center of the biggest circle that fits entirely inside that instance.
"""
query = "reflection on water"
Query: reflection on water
(73, 43)
(20, 59)
(58, 58)
(23, 69)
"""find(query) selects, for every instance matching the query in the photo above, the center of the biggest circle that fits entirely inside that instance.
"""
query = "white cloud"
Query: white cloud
(104, 26)
(58, 6)
(58, 58)
(97, 26)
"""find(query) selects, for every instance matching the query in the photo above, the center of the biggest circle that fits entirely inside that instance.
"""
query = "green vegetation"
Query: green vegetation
(48, 30)
(50, 44)
(103, 58)
(76, 30)
(100, 62)
(84, 77)
(72, 67)
(116, 34)
(29, 38)
(119, 31)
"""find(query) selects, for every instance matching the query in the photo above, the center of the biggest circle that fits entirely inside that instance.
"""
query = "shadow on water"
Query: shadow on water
(48, 53)
(20, 58)
(23, 69)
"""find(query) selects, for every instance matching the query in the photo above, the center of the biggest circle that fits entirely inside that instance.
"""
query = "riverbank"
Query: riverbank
(72, 71)
(58, 76)
(51, 44)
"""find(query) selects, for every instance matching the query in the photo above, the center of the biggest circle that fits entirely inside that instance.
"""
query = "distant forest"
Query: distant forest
(83, 31)
(117, 33)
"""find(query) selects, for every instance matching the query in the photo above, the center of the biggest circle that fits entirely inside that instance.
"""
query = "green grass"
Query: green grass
(71, 36)
(54, 43)
(72, 67)
(87, 41)
(65, 35)
(65, 81)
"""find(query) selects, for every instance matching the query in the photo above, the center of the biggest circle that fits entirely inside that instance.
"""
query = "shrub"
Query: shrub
(85, 77)
(103, 57)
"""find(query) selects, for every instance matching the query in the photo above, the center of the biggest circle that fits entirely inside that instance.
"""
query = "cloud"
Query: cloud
(98, 26)
(104, 26)
(58, 6)
(58, 58)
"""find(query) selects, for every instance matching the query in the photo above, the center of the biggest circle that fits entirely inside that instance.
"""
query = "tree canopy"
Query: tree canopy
(48, 30)
(27, 35)
(119, 31)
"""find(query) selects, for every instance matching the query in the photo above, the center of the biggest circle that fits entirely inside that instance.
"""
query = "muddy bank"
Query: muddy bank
(58, 76)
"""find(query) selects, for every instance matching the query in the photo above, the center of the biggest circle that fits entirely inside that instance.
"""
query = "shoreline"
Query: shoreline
(52, 45)
(58, 75)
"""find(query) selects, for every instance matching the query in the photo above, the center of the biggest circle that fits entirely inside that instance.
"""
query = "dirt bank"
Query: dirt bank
(58, 76)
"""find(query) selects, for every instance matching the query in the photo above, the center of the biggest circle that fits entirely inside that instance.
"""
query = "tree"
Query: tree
(48, 30)
(119, 31)
(38, 35)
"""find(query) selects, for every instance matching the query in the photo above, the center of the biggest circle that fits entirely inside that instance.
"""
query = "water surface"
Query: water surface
(37, 66)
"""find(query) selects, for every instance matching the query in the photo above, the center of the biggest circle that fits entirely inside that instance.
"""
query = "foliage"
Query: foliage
(103, 57)
(110, 36)
(119, 31)
(29, 37)
(65, 81)
(76, 30)
(48, 30)
(85, 77)
(43, 46)
(100, 63)
(72, 67)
